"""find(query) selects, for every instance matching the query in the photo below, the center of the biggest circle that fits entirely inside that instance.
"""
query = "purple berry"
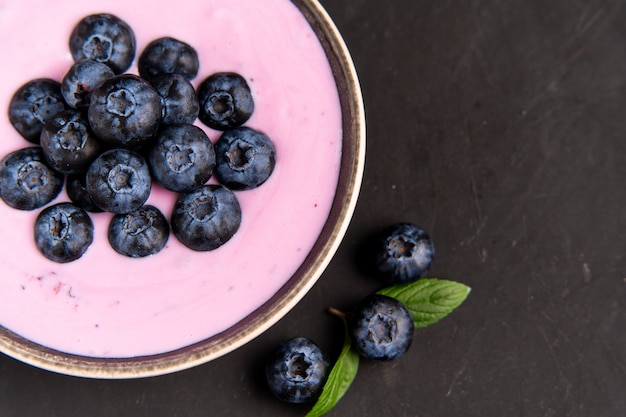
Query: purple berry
(140, 233)
(178, 99)
(182, 158)
(245, 158)
(104, 38)
(206, 218)
(68, 143)
(125, 111)
(33, 104)
(296, 370)
(381, 328)
(225, 101)
(27, 181)
(63, 232)
(81, 79)
(168, 56)
(405, 253)
(119, 181)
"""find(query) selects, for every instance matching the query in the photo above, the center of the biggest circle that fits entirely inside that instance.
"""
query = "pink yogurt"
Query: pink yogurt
(107, 305)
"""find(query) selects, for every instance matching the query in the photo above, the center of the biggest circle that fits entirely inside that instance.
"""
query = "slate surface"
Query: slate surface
(499, 127)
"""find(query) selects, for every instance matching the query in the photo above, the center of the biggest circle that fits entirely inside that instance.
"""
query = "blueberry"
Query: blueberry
(182, 158)
(206, 218)
(296, 370)
(81, 79)
(104, 38)
(33, 104)
(168, 56)
(76, 188)
(245, 158)
(381, 328)
(225, 101)
(27, 181)
(405, 253)
(139, 233)
(124, 111)
(118, 181)
(68, 143)
(63, 232)
(178, 99)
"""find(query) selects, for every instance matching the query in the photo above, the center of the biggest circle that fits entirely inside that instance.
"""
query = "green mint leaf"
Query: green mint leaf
(339, 379)
(429, 299)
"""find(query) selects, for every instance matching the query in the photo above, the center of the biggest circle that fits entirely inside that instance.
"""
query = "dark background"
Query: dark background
(499, 127)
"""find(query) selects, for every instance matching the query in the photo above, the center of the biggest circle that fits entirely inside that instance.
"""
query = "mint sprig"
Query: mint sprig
(339, 379)
(429, 299)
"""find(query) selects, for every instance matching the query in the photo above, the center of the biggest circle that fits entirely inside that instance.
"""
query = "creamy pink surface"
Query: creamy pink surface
(106, 305)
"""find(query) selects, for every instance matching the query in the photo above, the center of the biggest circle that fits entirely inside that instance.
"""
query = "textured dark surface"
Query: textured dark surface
(499, 127)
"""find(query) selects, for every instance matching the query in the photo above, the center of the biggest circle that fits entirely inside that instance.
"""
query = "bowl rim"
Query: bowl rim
(335, 227)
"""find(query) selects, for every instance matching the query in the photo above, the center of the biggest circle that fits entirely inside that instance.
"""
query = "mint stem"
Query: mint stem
(338, 313)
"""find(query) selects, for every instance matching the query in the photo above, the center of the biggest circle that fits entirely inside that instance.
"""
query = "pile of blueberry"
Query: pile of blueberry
(380, 327)
(108, 134)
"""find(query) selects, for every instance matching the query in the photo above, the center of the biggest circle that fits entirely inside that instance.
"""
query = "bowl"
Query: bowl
(309, 268)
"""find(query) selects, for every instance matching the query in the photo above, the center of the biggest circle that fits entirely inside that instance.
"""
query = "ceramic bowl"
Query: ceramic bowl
(351, 171)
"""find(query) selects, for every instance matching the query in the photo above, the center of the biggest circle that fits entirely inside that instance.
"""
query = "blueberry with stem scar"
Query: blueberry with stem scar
(119, 181)
(296, 370)
(27, 181)
(104, 38)
(139, 233)
(405, 253)
(381, 328)
(63, 232)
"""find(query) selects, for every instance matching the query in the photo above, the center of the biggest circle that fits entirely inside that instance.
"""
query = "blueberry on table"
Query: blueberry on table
(76, 188)
(245, 158)
(81, 79)
(139, 233)
(225, 101)
(119, 181)
(33, 104)
(27, 181)
(68, 143)
(381, 328)
(178, 99)
(206, 218)
(104, 38)
(63, 232)
(296, 370)
(405, 253)
(125, 111)
(182, 158)
(168, 56)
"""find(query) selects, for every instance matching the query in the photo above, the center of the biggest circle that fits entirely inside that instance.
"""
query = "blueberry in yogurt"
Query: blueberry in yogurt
(81, 79)
(245, 158)
(182, 158)
(206, 218)
(225, 101)
(119, 181)
(63, 232)
(178, 99)
(33, 104)
(124, 111)
(27, 181)
(104, 38)
(68, 143)
(168, 55)
(139, 233)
